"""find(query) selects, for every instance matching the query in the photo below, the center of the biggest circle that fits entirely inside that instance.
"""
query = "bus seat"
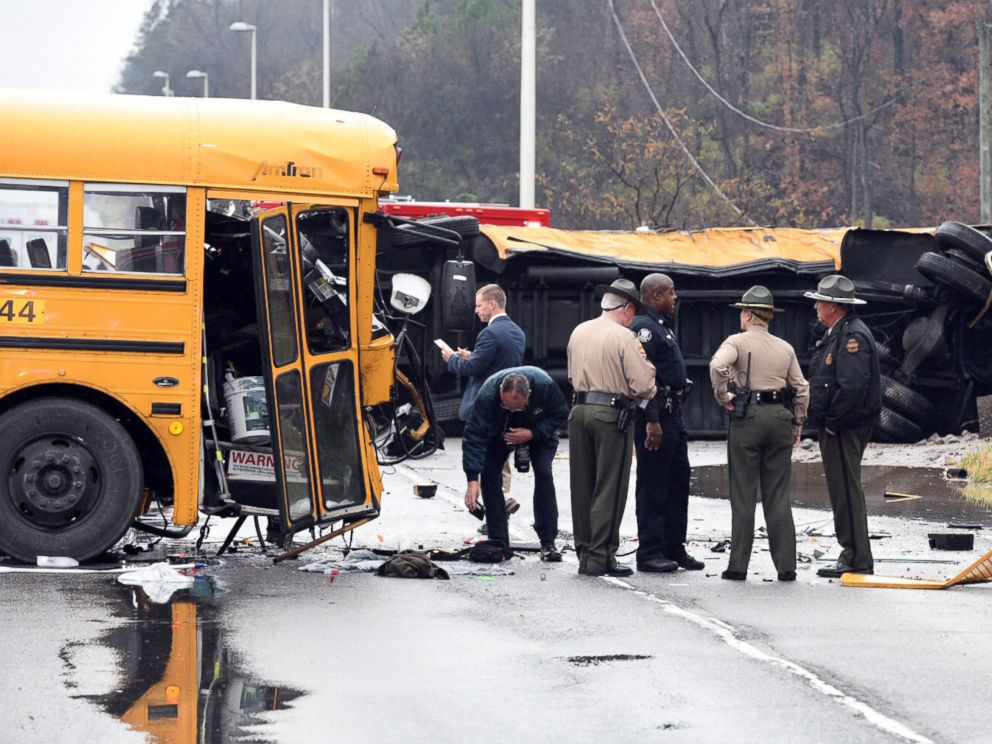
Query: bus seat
(7, 257)
(38, 254)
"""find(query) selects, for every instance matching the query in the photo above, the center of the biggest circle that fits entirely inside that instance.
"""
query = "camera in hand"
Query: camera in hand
(521, 458)
(479, 512)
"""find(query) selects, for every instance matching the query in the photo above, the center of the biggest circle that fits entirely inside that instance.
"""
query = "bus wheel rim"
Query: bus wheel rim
(54, 481)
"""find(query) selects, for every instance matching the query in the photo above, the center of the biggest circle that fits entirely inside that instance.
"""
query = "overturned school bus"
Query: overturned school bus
(928, 295)
(137, 281)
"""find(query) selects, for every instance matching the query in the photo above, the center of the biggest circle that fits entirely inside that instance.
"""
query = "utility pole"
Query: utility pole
(528, 95)
(327, 53)
(985, 156)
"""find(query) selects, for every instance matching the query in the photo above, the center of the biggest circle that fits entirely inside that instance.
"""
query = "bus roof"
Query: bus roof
(269, 146)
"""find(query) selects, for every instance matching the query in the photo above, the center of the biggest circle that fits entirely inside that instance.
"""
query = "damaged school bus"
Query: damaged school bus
(138, 281)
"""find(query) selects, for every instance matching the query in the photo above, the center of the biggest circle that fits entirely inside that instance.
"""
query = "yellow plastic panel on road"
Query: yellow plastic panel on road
(889, 582)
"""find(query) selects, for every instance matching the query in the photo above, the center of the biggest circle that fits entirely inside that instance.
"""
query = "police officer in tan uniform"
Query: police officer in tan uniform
(610, 374)
(765, 423)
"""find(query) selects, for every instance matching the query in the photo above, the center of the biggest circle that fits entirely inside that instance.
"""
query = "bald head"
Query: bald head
(658, 293)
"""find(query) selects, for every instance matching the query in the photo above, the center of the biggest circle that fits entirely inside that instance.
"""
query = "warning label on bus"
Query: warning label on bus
(260, 466)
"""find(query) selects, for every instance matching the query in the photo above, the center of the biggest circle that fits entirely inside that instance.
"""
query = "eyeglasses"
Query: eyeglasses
(618, 307)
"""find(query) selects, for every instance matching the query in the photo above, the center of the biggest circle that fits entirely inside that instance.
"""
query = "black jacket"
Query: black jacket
(545, 413)
(844, 390)
(655, 333)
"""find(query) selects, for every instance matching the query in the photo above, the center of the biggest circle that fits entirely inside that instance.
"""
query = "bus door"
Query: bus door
(304, 267)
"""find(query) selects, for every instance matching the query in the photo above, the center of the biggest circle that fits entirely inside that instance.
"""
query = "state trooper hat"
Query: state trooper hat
(758, 297)
(624, 288)
(835, 288)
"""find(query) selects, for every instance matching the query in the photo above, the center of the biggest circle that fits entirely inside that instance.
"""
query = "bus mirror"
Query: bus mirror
(410, 293)
(458, 295)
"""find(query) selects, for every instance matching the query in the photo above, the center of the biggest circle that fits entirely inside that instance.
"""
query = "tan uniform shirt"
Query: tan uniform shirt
(773, 365)
(606, 357)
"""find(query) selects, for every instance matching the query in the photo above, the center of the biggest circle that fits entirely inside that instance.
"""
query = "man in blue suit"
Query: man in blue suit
(499, 346)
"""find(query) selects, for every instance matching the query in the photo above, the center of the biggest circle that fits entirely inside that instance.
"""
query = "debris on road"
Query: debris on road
(892, 496)
(159, 580)
(951, 541)
(979, 572)
(56, 561)
(411, 564)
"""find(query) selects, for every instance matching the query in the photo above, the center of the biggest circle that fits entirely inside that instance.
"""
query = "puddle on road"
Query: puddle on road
(176, 679)
(940, 501)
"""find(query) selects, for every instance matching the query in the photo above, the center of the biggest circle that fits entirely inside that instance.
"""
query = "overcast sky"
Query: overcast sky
(76, 45)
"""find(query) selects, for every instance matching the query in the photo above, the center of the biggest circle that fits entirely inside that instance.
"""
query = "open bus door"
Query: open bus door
(305, 268)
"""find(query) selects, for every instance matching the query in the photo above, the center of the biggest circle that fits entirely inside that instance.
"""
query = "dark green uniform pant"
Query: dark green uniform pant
(841, 454)
(759, 453)
(599, 469)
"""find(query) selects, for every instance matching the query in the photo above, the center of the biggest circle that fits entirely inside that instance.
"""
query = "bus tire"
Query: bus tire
(895, 428)
(70, 480)
(966, 260)
(904, 400)
(972, 287)
(959, 235)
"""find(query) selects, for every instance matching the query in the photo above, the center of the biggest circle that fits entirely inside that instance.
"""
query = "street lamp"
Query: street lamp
(166, 90)
(242, 26)
(194, 74)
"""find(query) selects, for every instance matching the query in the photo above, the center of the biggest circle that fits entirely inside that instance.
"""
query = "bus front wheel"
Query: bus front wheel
(70, 480)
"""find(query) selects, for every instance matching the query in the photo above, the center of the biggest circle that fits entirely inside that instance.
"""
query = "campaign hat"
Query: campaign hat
(758, 297)
(835, 288)
(624, 288)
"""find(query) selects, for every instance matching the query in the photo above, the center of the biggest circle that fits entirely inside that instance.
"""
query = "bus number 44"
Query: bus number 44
(22, 311)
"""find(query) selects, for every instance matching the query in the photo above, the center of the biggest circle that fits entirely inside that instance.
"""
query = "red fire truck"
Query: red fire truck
(486, 214)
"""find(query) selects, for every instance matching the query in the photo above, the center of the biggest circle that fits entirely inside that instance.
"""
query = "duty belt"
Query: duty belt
(766, 396)
(595, 399)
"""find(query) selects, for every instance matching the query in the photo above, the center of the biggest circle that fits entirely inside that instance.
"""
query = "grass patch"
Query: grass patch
(979, 465)
(978, 494)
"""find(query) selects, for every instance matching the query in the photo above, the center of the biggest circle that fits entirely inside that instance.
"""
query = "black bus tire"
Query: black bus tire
(962, 280)
(959, 235)
(966, 260)
(892, 427)
(904, 400)
(70, 480)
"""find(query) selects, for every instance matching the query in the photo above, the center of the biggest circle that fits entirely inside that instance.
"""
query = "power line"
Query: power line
(739, 112)
(668, 123)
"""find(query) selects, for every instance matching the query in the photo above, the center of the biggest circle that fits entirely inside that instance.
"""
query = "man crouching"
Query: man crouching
(518, 410)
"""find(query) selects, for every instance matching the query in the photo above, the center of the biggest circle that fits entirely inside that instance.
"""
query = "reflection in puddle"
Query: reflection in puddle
(940, 501)
(178, 682)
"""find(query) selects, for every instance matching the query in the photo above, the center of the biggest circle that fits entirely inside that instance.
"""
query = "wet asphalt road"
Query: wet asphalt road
(276, 654)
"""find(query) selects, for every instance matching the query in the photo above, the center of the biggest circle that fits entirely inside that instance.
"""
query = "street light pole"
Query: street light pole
(327, 53)
(193, 74)
(528, 98)
(242, 26)
(166, 90)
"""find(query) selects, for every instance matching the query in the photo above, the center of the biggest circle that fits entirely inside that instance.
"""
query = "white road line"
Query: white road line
(728, 634)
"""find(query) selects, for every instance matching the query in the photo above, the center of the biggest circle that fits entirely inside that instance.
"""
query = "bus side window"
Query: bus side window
(134, 228)
(34, 216)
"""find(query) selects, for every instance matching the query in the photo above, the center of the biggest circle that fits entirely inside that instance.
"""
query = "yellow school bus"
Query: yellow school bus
(163, 341)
